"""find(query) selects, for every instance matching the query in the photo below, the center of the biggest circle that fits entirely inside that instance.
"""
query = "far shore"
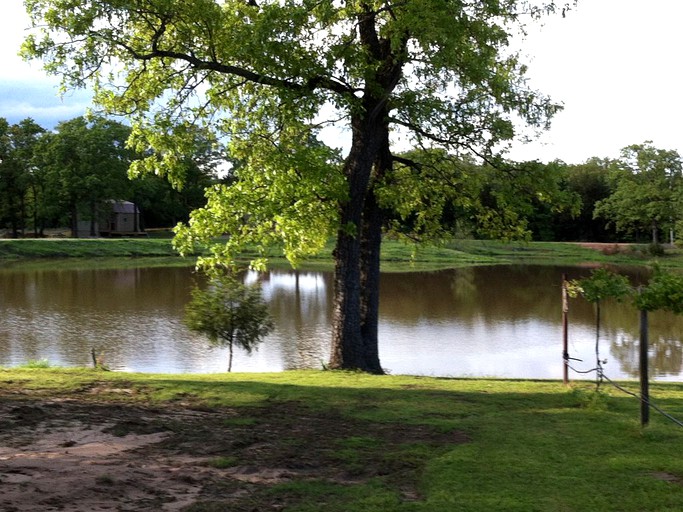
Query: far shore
(396, 255)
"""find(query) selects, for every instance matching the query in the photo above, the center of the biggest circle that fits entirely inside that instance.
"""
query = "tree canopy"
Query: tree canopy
(86, 164)
(267, 76)
(49, 178)
(17, 172)
(646, 190)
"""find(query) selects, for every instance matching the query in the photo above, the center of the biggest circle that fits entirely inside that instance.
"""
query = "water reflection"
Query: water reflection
(482, 321)
(301, 304)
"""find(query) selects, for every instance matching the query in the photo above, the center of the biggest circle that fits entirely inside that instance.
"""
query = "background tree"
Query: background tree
(47, 211)
(17, 186)
(430, 195)
(645, 184)
(87, 161)
(27, 137)
(11, 187)
(106, 160)
(164, 204)
(434, 196)
(229, 313)
(86, 164)
(589, 181)
(268, 75)
(567, 214)
(539, 195)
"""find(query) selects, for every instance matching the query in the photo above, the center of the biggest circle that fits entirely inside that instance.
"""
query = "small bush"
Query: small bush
(610, 250)
(223, 462)
(656, 250)
(36, 363)
(229, 313)
(593, 400)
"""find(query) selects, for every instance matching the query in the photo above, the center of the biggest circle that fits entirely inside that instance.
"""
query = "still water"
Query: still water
(501, 321)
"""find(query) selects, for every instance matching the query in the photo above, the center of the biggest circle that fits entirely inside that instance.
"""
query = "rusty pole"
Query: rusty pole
(644, 378)
(565, 327)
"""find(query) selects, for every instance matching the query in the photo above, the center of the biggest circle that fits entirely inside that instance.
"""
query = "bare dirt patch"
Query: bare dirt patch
(77, 453)
(608, 248)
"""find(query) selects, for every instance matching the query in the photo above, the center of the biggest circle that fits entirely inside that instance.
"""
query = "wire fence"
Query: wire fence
(602, 376)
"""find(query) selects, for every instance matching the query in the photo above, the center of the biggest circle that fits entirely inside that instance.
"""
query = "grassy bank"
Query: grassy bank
(32, 248)
(350, 442)
(395, 255)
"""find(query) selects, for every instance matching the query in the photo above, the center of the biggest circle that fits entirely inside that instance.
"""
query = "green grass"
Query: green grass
(562, 252)
(396, 256)
(37, 363)
(223, 462)
(531, 445)
(85, 248)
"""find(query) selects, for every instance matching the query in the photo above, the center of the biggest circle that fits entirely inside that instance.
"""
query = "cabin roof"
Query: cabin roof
(123, 207)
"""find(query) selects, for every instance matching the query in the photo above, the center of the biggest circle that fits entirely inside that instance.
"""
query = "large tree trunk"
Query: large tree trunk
(347, 341)
(371, 242)
(351, 349)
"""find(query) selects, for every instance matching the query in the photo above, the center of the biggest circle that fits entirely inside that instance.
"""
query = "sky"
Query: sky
(615, 65)
(25, 90)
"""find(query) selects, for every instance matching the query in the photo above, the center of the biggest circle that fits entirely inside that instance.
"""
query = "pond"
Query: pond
(497, 321)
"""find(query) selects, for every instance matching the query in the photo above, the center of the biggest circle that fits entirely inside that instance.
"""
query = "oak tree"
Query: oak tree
(85, 163)
(646, 191)
(271, 77)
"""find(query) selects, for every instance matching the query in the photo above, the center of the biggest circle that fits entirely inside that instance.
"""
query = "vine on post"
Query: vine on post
(601, 285)
(664, 292)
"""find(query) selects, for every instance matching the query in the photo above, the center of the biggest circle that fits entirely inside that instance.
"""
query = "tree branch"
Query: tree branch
(450, 141)
(318, 82)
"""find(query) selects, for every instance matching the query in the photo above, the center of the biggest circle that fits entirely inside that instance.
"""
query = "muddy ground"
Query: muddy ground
(77, 453)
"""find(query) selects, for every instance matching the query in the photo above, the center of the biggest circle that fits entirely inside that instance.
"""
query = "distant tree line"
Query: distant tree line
(51, 179)
(637, 197)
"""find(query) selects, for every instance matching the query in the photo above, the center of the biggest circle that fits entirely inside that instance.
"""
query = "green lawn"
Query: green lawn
(436, 444)
(84, 248)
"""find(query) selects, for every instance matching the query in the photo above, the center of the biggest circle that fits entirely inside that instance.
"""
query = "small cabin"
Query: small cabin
(115, 218)
(123, 220)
